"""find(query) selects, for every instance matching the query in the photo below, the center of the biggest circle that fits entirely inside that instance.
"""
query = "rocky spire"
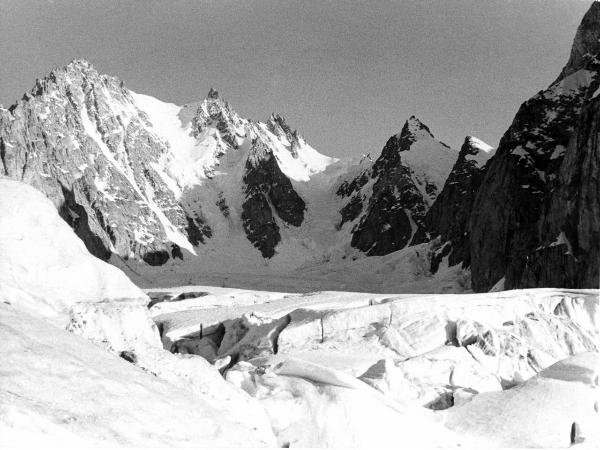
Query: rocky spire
(278, 125)
(586, 44)
(212, 94)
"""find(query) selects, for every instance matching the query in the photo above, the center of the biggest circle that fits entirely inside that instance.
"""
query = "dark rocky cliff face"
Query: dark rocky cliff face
(392, 212)
(268, 191)
(449, 215)
(522, 176)
(569, 254)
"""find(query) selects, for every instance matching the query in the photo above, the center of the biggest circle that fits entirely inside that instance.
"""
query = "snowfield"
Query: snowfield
(90, 359)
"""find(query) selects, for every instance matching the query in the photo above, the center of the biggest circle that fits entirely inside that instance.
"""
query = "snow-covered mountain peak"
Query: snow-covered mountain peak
(277, 119)
(79, 72)
(216, 119)
(77, 65)
(414, 130)
(61, 79)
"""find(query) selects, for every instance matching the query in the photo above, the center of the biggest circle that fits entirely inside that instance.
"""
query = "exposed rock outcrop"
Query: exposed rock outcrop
(449, 215)
(506, 224)
(268, 190)
(569, 254)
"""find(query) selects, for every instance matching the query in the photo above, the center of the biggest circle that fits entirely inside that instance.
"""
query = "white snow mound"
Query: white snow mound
(44, 267)
(62, 390)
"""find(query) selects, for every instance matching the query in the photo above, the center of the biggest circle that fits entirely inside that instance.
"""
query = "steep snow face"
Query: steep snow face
(45, 268)
(296, 159)
(189, 159)
(171, 232)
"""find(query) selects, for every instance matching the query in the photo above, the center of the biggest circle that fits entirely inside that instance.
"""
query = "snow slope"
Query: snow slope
(329, 264)
(45, 268)
(191, 157)
(59, 389)
(541, 412)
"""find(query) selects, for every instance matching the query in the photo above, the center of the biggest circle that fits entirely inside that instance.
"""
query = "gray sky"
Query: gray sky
(346, 74)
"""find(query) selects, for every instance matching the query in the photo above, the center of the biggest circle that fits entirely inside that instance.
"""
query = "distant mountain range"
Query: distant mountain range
(143, 180)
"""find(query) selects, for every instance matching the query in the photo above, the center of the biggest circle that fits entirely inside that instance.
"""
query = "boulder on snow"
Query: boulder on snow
(45, 268)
